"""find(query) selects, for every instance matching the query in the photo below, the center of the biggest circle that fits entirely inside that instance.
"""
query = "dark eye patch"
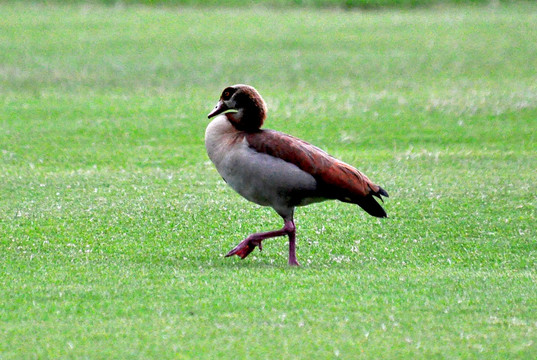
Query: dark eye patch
(227, 93)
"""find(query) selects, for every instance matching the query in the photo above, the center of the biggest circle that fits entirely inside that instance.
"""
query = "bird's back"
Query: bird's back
(336, 179)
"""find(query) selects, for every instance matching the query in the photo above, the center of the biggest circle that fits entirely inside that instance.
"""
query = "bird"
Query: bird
(271, 168)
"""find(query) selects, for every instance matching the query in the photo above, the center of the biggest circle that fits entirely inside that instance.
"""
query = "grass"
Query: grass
(114, 224)
(334, 4)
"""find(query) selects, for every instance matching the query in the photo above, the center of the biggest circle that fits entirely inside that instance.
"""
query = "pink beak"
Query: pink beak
(218, 109)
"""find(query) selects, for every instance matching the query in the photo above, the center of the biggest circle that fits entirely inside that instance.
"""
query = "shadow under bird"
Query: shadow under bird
(274, 169)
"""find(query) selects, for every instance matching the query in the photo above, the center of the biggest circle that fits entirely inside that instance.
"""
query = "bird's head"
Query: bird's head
(243, 107)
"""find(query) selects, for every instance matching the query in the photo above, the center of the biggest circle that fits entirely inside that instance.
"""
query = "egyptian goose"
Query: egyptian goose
(274, 169)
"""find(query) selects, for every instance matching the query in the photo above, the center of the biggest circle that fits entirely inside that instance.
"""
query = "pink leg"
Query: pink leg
(248, 245)
(292, 248)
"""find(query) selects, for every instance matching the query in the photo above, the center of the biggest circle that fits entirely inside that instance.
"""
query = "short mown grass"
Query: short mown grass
(326, 4)
(113, 222)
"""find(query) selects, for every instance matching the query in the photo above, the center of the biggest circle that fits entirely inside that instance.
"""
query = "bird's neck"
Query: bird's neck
(249, 119)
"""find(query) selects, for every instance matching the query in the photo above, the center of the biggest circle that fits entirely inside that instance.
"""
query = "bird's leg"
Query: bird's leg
(291, 231)
(248, 245)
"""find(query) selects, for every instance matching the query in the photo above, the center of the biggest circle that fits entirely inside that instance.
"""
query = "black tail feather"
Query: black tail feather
(371, 206)
(381, 192)
(368, 202)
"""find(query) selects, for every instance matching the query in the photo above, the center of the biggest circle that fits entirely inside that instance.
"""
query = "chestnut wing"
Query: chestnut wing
(339, 179)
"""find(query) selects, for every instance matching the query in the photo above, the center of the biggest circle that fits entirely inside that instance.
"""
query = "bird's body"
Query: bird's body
(274, 169)
(259, 177)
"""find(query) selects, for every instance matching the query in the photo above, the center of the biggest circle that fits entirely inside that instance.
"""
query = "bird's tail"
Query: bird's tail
(370, 205)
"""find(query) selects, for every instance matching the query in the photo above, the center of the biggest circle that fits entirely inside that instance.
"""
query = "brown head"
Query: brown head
(249, 107)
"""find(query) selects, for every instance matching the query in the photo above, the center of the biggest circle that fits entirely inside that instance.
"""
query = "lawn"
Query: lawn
(114, 223)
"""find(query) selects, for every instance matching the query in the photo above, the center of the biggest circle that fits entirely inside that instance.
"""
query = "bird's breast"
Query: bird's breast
(259, 177)
(222, 139)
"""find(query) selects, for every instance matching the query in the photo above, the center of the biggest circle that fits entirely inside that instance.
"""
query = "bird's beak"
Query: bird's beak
(218, 109)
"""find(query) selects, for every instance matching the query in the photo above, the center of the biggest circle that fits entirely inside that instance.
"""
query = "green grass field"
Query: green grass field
(333, 4)
(113, 222)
